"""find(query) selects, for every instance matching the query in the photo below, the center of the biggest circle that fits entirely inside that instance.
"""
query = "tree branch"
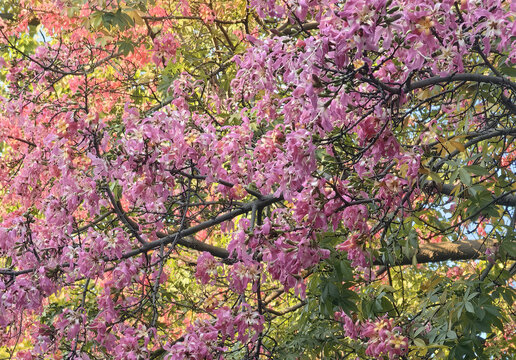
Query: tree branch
(182, 237)
(458, 77)
(446, 251)
(436, 80)
(198, 245)
(504, 199)
(198, 18)
(7, 16)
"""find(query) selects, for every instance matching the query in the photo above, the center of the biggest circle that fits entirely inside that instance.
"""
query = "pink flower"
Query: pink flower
(165, 47)
(350, 329)
(243, 273)
(207, 268)
(207, 14)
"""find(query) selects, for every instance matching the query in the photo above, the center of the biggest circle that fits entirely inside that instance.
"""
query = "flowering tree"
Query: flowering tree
(264, 179)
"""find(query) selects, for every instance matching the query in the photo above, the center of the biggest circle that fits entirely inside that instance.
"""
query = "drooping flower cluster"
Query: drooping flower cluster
(207, 268)
(380, 337)
(286, 250)
(165, 47)
(205, 338)
(355, 253)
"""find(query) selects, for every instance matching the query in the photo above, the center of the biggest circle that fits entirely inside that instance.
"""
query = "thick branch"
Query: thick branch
(459, 77)
(287, 310)
(179, 237)
(182, 238)
(446, 251)
(192, 243)
(7, 16)
(436, 80)
(198, 18)
(283, 30)
(504, 199)
(428, 253)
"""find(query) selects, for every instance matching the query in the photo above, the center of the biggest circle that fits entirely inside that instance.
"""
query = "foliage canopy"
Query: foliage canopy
(257, 179)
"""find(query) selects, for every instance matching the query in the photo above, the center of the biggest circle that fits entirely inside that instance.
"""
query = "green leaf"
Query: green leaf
(508, 70)
(435, 177)
(464, 177)
(451, 334)
(469, 307)
(509, 247)
(419, 330)
(472, 295)
(477, 170)
(480, 312)
(420, 343)
(508, 295)
(125, 47)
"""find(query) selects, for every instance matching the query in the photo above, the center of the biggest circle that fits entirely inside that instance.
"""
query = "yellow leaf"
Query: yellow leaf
(457, 145)
(136, 17)
(422, 95)
(441, 149)
(455, 191)
(403, 170)
(431, 284)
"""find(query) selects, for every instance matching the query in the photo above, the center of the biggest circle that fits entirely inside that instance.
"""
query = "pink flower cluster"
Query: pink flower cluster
(359, 258)
(207, 14)
(205, 338)
(165, 47)
(286, 250)
(304, 95)
(380, 336)
(454, 272)
(207, 268)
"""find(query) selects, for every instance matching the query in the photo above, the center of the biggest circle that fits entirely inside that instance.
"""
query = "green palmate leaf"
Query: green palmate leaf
(477, 170)
(464, 176)
(509, 247)
(125, 47)
(508, 70)
(469, 307)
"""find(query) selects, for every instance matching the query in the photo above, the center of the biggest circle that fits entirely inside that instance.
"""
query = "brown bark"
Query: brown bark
(504, 199)
(446, 251)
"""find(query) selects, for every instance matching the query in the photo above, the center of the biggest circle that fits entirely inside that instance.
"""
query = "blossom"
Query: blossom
(380, 337)
(207, 14)
(165, 47)
(207, 268)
